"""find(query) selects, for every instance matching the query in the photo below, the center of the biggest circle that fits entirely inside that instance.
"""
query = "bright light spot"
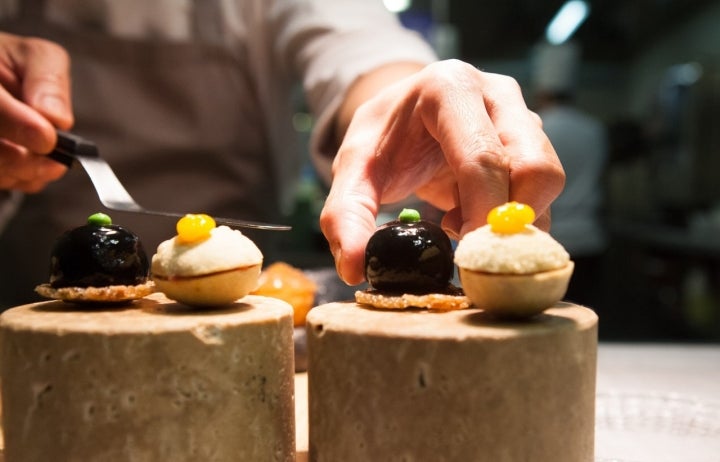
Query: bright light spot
(397, 6)
(566, 21)
(687, 74)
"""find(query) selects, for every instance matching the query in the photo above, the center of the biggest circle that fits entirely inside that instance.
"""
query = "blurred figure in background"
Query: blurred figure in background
(580, 141)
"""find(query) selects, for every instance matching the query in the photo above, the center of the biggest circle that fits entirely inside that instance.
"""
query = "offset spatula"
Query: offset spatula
(110, 190)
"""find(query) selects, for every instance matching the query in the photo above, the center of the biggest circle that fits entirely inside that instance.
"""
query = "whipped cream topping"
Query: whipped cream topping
(225, 249)
(527, 252)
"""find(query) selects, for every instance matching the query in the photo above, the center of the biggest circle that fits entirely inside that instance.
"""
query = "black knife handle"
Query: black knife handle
(61, 157)
(68, 145)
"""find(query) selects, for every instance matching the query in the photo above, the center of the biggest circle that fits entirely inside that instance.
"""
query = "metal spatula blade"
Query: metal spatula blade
(111, 192)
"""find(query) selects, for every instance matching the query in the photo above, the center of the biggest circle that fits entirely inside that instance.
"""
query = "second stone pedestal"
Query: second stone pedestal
(450, 386)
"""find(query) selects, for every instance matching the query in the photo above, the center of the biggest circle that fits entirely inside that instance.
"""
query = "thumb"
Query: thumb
(348, 216)
(348, 225)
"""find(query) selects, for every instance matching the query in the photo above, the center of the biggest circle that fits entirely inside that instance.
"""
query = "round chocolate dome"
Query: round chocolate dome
(98, 254)
(409, 255)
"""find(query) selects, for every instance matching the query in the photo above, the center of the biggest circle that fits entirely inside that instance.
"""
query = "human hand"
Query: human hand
(461, 139)
(34, 100)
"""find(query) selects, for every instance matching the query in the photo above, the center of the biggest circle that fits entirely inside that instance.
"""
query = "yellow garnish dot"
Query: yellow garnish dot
(194, 227)
(510, 218)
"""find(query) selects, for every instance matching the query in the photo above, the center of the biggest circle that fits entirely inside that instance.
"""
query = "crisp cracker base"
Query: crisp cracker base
(452, 299)
(107, 294)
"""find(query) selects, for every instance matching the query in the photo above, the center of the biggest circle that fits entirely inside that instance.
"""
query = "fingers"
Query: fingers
(46, 85)
(455, 113)
(491, 140)
(24, 171)
(21, 124)
(460, 138)
(543, 221)
(364, 177)
(536, 174)
(35, 92)
(452, 223)
(34, 100)
(348, 216)
(348, 231)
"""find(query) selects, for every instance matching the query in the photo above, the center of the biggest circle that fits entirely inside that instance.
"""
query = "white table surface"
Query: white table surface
(656, 403)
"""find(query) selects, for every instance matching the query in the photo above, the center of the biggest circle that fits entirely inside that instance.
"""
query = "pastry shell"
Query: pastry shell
(516, 295)
(214, 289)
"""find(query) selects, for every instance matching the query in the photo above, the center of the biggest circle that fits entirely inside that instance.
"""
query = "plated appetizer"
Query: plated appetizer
(98, 262)
(511, 268)
(206, 265)
(409, 264)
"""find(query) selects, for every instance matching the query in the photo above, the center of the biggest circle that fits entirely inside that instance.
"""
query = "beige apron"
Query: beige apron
(179, 123)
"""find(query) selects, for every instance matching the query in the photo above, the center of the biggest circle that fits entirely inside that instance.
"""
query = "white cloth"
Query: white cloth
(581, 144)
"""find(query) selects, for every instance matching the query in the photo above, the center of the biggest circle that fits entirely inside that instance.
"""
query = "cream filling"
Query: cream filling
(528, 252)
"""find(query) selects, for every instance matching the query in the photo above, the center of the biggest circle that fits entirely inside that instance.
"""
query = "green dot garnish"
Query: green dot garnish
(99, 219)
(409, 216)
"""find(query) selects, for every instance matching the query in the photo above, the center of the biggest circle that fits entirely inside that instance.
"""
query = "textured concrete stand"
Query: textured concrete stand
(456, 386)
(152, 382)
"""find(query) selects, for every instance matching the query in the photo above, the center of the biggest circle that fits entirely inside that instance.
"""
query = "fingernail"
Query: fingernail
(452, 234)
(337, 255)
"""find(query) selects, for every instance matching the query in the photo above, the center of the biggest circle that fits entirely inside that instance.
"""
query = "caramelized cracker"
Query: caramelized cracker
(107, 294)
(452, 299)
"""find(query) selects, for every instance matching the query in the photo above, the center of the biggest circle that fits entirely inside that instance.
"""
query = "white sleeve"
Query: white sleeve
(332, 43)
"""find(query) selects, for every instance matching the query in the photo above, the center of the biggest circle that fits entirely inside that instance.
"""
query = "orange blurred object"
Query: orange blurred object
(283, 281)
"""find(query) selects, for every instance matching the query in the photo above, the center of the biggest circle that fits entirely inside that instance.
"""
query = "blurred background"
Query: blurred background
(647, 74)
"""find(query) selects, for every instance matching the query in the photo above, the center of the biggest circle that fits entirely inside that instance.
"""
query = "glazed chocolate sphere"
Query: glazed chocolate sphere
(96, 255)
(409, 255)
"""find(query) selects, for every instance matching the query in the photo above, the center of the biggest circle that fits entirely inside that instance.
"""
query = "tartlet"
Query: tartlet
(509, 267)
(205, 265)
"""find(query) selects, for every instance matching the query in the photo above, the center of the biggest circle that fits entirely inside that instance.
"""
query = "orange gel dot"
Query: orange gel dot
(194, 227)
(510, 218)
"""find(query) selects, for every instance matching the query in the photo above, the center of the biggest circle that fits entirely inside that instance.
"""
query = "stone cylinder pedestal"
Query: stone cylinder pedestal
(152, 381)
(451, 386)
